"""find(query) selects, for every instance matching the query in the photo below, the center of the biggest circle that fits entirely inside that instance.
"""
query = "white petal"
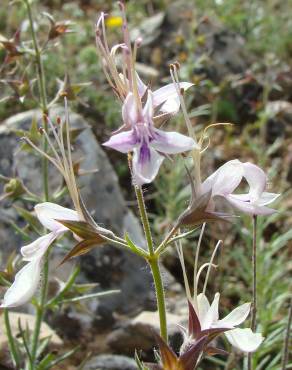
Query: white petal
(141, 86)
(203, 306)
(168, 92)
(148, 109)
(129, 111)
(172, 142)
(124, 142)
(244, 339)
(225, 180)
(39, 247)
(47, 213)
(24, 286)
(171, 106)
(267, 198)
(212, 315)
(247, 207)
(235, 317)
(256, 179)
(145, 168)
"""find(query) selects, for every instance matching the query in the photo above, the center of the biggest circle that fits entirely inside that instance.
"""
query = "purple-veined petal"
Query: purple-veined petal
(168, 92)
(244, 339)
(146, 164)
(256, 179)
(225, 180)
(25, 284)
(48, 213)
(212, 315)
(235, 317)
(123, 142)
(267, 198)
(129, 111)
(172, 142)
(249, 208)
(38, 248)
(203, 306)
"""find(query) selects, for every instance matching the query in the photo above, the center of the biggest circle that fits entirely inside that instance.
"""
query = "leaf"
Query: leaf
(81, 248)
(83, 229)
(194, 323)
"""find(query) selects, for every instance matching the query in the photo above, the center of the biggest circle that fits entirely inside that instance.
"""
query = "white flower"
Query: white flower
(243, 339)
(227, 178)
(27, 279)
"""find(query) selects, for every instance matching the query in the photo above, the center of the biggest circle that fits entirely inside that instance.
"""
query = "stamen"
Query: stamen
(182, 262)
(211, 264)
(196, 265)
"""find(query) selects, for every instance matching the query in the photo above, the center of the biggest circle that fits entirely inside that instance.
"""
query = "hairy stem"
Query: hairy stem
(154, 264)
(287, 339)
(160, 297)
(144, 219)
(254, 286)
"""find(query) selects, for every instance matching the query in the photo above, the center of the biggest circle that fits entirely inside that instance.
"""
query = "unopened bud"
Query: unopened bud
(59, 120)
(182, 91)
(41, 130)
(171, 67)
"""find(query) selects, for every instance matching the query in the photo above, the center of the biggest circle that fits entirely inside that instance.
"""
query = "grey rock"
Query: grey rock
(112, 268)
(111, 362)
(149, 30)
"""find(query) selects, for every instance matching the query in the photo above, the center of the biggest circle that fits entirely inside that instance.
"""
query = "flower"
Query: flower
(208, 315)
(27, 279)
(227, 178)
(147, 142)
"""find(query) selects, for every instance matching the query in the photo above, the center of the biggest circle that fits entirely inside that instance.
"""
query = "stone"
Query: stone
(27, 321)
(110, 362)
(112, 268)
(138, 334)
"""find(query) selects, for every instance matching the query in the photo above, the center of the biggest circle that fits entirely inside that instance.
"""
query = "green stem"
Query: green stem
(144, 219)
(154, 264)
(254, 287)
(12, 347)
(160, 297)
(42, 95)
(40, 310)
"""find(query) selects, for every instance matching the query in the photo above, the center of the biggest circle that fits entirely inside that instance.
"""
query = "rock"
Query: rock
(138, 334)
(111, 362)
(112, 268)
(149, 29)
(27, 321)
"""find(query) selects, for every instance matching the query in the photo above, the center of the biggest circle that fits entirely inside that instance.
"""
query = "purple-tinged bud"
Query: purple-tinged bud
(138, 42)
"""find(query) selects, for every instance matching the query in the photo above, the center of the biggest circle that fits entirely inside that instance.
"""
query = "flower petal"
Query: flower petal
(212, 315)
(141, 86)
(148, 109)
(38, 248)
(146, 164)
(247, 207)
(24, 286)
(235, 317)
(129, 111)
(256, 179)
(168, 92)
(48, 212)
(203, 306)
(225, 180)
(124, 142)
(172, 142)
(244, 339)
(267, 198)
